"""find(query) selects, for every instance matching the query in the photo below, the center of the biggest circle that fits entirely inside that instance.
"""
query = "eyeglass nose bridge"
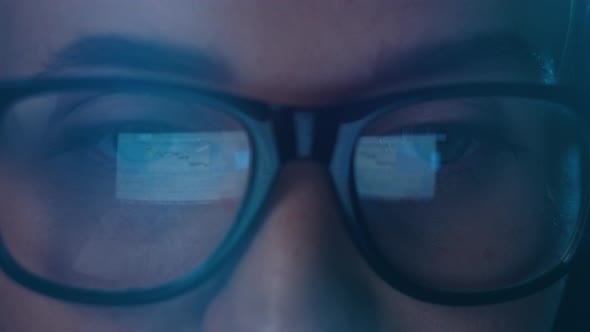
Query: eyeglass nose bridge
(320, 136)
(305, 135)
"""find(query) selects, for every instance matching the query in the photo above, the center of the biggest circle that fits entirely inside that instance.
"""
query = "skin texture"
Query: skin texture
(295, 52)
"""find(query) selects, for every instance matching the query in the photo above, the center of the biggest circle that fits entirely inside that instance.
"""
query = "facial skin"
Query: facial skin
(301, 272)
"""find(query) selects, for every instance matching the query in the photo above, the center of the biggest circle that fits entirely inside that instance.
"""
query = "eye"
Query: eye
(452, 147)
(101, 146)
(105, 148)
(449, 146)
(124, 146)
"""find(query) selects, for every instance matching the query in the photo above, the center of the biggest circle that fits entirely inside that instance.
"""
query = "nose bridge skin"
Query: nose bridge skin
(301, 271)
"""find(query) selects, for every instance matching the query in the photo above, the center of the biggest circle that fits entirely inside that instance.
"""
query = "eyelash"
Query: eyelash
(478, 131)
(488, 140)
(85, 136)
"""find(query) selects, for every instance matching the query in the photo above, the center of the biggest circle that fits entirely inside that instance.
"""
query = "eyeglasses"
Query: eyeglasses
(123, 191)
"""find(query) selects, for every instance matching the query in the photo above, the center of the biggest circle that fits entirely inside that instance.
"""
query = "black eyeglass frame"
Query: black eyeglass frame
(272, 132)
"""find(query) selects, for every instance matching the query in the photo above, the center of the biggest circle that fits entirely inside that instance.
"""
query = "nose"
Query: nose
(301, 271)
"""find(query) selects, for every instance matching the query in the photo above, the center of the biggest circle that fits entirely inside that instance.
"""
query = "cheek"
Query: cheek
(77, 231)
(535, 313)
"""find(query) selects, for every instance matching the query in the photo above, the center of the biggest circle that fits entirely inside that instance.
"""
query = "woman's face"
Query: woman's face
(301, 271)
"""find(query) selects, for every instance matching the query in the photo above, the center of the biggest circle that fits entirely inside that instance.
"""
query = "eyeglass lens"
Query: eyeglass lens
(471, 194)
(117, 191)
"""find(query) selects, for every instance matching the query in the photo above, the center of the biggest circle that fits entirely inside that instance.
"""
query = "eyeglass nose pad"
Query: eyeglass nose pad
(300, 268)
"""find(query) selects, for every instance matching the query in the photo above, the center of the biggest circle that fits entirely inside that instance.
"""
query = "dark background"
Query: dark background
(574, 313)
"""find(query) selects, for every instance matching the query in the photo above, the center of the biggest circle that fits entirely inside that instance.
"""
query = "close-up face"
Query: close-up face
(112, 187)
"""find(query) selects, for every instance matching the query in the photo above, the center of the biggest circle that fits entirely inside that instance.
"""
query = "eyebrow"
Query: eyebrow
(120, 52)
(432, 60)
(484, 51)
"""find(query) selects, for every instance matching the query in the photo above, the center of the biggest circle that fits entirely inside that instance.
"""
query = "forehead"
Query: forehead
(298, 49)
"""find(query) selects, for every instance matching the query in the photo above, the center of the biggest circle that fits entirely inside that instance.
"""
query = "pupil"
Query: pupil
(451, 147)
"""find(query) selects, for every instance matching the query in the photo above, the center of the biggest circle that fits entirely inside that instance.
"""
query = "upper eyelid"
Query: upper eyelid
(66, 105)
(418, 123)
(475, 110)
(78, 111)
(142, 103)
